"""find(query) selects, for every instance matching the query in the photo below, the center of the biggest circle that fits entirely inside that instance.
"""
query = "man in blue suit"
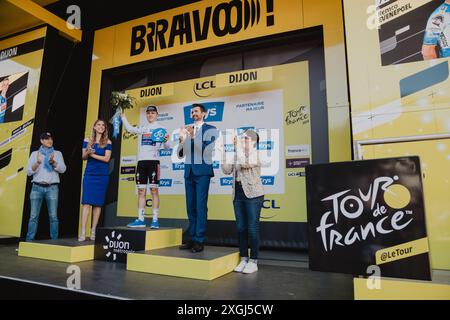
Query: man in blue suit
(197, 143)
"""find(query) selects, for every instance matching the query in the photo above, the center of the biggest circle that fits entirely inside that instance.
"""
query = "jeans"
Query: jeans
(38, 193)
(197, 188)
(247, 212)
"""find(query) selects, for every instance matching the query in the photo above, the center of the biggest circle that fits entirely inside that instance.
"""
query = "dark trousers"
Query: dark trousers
(197, 188)
(247, 212)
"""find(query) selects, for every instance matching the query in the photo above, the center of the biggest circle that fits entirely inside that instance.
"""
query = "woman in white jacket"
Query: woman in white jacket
(248, 197)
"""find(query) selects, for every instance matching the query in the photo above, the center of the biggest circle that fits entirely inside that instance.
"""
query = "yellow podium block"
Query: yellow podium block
(209, 264)
(163, 238)
(63, 250)
(399, 289)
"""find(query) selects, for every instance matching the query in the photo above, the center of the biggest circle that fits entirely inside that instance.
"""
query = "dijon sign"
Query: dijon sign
(224, 18)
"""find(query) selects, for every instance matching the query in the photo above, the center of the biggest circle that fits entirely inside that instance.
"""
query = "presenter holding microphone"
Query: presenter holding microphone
(196, 144)
(152, 138)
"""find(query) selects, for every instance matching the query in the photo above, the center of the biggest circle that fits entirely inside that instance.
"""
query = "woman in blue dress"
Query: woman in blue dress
(97, 151)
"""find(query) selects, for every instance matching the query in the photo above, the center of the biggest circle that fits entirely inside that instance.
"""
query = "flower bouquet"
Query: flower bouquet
(120, 101)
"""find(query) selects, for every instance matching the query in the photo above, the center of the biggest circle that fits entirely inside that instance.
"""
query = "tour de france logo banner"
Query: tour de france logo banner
(368, 213)
(412, 30)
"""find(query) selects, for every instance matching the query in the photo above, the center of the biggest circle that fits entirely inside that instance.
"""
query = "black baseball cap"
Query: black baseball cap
(46, 135)
(151, 108)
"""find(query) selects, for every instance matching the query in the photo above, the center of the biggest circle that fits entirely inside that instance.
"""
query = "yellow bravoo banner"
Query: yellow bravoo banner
(201, 25)
(20, 69)
(274, 101)
(397, 94)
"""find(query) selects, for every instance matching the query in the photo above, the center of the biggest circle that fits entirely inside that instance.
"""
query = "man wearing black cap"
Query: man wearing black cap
(44, 165)
(152, 138)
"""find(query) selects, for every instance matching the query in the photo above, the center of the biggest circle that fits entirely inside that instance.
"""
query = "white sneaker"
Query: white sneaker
(241, 265)
(250, 267)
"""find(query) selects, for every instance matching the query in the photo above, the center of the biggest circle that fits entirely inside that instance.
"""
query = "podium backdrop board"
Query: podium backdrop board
(20, 75)
(368, 218)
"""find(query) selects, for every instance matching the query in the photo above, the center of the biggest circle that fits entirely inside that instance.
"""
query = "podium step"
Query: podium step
(209, 264)
(63, 250)
(113, 244)
(8, 240)
(400, 289)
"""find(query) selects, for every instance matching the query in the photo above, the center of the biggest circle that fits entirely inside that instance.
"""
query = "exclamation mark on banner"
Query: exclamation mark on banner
(270, 15)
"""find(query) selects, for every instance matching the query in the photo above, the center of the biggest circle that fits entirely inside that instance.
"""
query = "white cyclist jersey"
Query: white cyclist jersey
(147, 148)
(437, 32)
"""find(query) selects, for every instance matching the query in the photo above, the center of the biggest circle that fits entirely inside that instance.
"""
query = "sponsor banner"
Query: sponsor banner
(296, 174)
(298, 151)
(226, 181)
(204, 88)
(163, 90)
(178, 166)
(367, 213)
(128, 160)
(244, 77)
(266, 145)
(214, 112)
(201, 25)
(268, 181)
(221, 113)
(298, 115)
(128, 170)
(165, 183)
(261, 106)
(165, 152)
(297, 163)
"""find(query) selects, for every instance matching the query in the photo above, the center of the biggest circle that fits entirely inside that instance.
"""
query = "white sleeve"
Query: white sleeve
(30, 164)
(60, 165)
(129, 127)
(166, 145)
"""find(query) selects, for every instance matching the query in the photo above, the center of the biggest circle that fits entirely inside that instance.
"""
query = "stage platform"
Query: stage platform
(115, 243)
(281, 276)
(64, 250)
(405, 289)
(112, 244)
(209, 264)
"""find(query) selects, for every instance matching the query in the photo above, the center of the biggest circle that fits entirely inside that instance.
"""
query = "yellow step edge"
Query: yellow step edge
(390, 289)
(183, 267)
(56, 252)
(163, 238)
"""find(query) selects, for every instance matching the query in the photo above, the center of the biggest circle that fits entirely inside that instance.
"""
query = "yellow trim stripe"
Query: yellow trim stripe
(401, 290)
(46, 16)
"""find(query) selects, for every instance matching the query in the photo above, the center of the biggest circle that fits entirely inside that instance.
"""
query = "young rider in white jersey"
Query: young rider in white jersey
(436, 42)
(147, 171)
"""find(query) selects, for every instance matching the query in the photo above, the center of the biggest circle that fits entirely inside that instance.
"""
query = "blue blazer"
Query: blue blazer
(199, 151)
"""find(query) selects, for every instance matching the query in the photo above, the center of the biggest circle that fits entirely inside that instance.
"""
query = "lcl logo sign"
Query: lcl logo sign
(204, 89)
